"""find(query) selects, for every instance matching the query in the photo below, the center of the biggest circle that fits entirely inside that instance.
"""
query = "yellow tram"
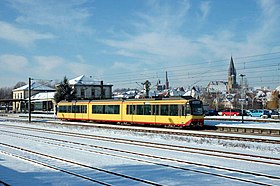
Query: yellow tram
(177, 111)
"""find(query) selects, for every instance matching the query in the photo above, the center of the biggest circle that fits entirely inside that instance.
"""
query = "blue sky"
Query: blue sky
(129, 41)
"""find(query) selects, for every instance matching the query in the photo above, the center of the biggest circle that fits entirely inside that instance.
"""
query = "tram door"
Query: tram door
(155, 112)
(130, 112)
(73, 110)
(181, 111)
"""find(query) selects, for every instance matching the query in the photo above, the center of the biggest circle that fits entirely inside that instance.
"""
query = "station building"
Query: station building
(42, 96)
(21, 95)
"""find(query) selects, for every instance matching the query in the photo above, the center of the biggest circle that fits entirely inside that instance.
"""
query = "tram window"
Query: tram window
(139, 109)
(75, 109)
(147, 109)
(117, 109)
(164, 110)
(187, 110)
(180, 110)
(196, 108)
(68, 109)
(62, 109)
(109, 109)
(155, 109)
(97, 109)
(130, 109)
(133, 109)
(84, 109)
(112, 109)
(173, 110)
(105, 109)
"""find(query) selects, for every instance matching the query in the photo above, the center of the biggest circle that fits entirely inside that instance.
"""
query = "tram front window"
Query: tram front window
(196, 108)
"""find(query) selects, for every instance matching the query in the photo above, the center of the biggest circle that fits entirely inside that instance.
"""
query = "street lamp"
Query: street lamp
(242, 96)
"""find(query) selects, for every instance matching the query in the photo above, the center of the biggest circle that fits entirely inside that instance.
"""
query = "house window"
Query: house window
(82, 92)
(92, 93)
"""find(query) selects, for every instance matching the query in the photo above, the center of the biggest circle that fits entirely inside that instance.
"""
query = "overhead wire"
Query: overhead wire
(199, 63)
(190, 73)
(191, 69)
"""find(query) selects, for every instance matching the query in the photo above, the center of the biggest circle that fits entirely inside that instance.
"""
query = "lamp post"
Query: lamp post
(242, 96)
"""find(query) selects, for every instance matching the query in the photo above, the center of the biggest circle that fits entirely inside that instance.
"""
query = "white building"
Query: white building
(89, 88)
(21, 94)
(43, 101)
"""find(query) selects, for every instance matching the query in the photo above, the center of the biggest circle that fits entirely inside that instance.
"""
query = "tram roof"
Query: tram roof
(145, 99)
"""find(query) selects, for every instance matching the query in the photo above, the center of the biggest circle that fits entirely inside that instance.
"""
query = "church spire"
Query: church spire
(166, 81)
(231, 70)
(231, 76)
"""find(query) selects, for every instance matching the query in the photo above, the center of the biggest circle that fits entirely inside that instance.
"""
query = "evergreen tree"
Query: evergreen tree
(64, 91)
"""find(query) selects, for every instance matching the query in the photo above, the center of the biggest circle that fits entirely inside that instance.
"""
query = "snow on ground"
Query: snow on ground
(18, 172)
(256, 123)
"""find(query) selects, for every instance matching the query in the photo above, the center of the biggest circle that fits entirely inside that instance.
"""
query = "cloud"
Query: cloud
(23, 37)
(63, 14)
(57, 67)
(204, 8)
(13, 63)
(154, 47)
(77, 69)
(269, 22)
(48, 63)
(118, 66)
(161, 37)
(80, 58)
(269, 8)
(162, 17)
(157, 35)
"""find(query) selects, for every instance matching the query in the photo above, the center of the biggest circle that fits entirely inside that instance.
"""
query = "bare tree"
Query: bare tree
(6, 93)
(19, 84)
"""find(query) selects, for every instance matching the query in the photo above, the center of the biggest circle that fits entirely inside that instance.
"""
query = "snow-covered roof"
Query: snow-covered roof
(217, 86)
(43, 96)
(35, 86)
(84, 80)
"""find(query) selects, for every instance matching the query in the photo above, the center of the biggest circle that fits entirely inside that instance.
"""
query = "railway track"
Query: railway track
(176, 148)
(155, 159)
(63, 160)
(208, 134)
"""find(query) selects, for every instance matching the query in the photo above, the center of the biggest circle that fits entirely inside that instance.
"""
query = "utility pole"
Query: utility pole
(242, 96)
(29, 99)
(279, 106)
(102, 90)
(29, 96)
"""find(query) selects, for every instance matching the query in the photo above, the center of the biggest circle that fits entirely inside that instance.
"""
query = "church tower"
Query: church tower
(231, 77)
(166, 81)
